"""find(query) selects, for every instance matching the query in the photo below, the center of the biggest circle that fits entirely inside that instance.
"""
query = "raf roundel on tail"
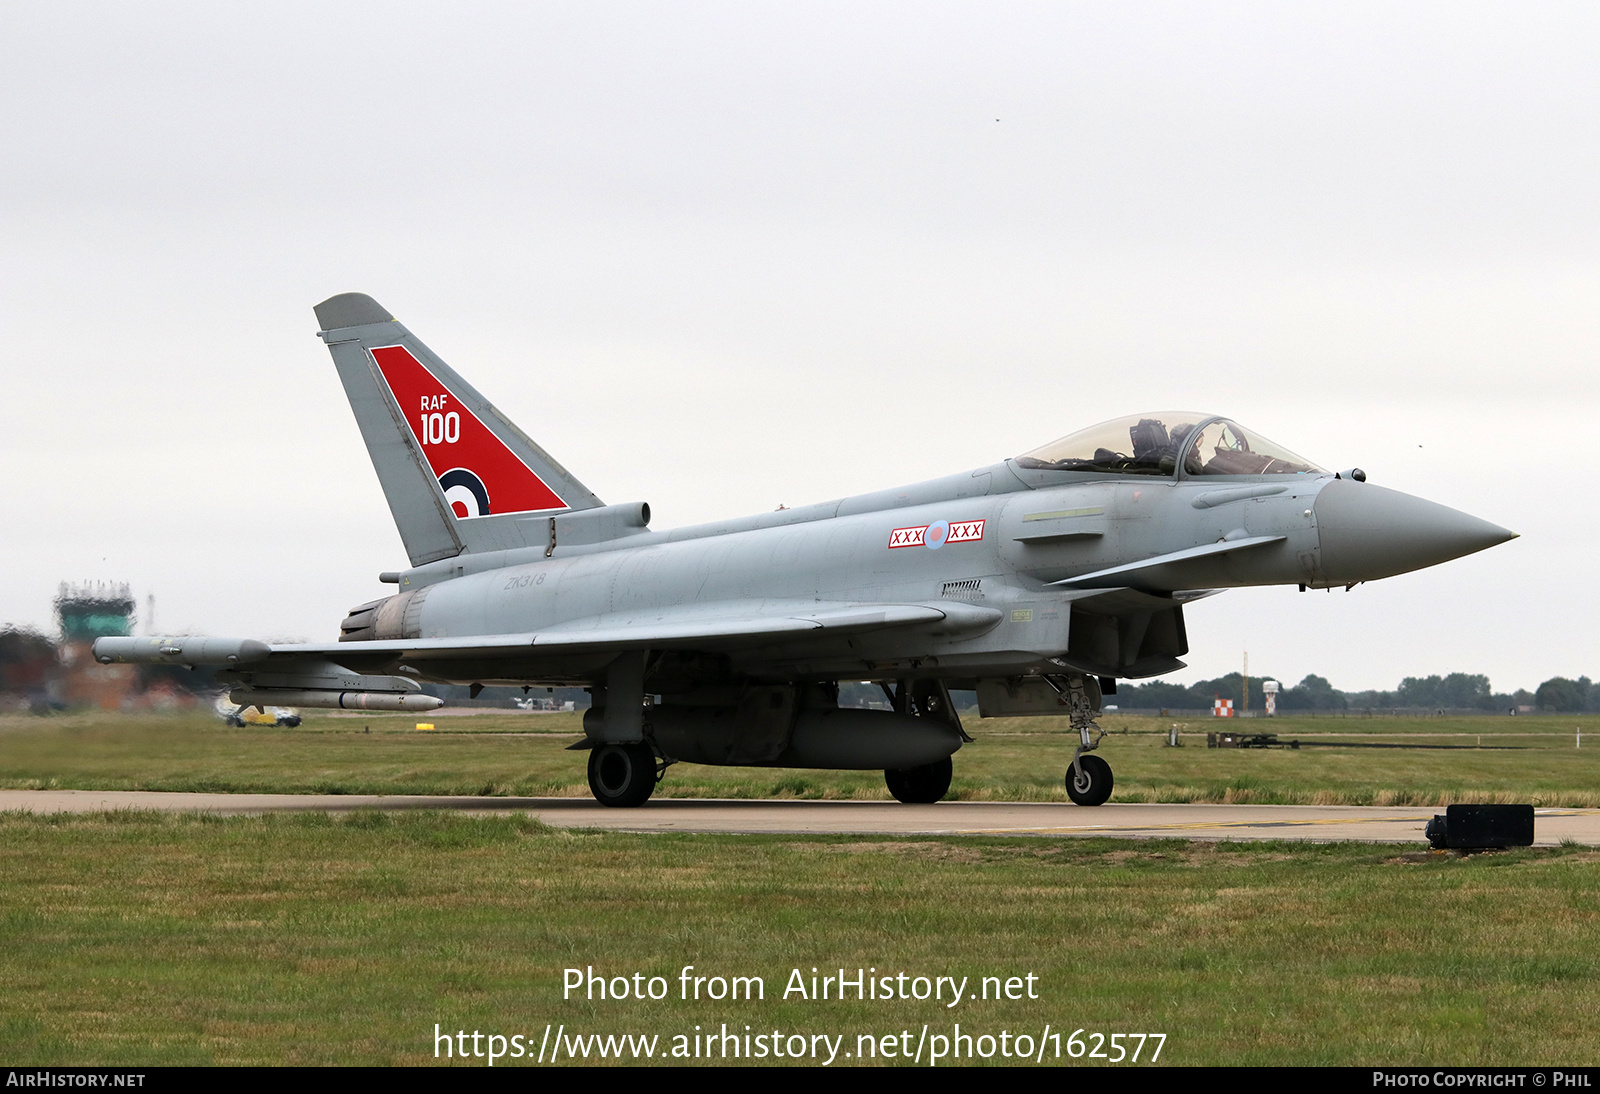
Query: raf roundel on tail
(477, 472)
(465, 492)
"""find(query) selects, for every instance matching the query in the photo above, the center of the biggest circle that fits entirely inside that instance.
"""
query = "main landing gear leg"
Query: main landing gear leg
(625, 762)
(928, 783)
(1089, 778)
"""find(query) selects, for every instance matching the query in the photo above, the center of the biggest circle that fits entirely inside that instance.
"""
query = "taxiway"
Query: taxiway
(1134, 821)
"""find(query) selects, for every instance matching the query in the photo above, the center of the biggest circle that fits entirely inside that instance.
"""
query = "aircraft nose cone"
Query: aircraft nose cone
(1367, 532)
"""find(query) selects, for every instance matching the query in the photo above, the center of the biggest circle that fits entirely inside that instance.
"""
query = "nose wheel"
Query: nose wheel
(1089, 781)
(1089, 778)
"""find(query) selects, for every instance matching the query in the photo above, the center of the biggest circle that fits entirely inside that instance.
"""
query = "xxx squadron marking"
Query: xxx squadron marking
(936, 535)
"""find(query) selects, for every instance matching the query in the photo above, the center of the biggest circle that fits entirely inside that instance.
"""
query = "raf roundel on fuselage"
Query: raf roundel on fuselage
(1162, 443)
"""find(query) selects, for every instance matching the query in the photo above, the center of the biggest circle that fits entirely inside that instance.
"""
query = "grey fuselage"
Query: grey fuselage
(1038, 527)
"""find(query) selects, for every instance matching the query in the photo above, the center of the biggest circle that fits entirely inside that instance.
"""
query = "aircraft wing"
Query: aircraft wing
(708, 628)
(703, 627)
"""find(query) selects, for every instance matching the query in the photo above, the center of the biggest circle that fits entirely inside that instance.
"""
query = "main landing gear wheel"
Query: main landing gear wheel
(622, 775)
(922, 785)
(1089, 781)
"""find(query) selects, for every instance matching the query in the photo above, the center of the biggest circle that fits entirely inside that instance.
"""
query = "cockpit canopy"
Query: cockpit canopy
(1156, 444)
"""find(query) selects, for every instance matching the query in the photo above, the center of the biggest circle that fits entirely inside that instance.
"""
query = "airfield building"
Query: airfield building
(86, 612)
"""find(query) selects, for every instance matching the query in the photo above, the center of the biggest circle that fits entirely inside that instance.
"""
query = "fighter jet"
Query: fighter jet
(1037, 582)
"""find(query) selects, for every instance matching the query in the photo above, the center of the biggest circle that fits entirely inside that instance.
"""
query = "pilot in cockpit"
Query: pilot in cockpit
(1208, 445)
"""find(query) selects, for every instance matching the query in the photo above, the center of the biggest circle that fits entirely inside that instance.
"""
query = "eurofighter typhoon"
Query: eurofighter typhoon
(1037, 582)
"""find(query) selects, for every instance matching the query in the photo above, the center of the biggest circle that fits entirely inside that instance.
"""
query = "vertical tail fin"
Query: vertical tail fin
(458, 475)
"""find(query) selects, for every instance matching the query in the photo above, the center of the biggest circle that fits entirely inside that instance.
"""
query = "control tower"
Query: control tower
(85, 612)
(99, 609)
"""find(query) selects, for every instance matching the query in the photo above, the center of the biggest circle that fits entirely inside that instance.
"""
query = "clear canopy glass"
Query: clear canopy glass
(1226, 448)
(1155, 443)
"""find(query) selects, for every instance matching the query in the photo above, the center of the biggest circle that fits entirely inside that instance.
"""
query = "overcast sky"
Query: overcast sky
(721, 257)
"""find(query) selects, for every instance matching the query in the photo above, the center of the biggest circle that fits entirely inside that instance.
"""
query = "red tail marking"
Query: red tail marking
(451, 436)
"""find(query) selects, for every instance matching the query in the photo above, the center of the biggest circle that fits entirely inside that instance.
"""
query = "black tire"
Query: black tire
(1093, 785)
(922, 785)
(622, 775)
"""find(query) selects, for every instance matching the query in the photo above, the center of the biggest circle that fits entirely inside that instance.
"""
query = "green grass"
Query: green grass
(1522, 759)
(138, 940)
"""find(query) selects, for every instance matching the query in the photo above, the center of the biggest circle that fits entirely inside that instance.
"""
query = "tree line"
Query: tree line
(1457, 691)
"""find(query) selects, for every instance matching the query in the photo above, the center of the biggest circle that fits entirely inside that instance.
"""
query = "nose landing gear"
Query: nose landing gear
(1089, 781)
(1089, 778)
